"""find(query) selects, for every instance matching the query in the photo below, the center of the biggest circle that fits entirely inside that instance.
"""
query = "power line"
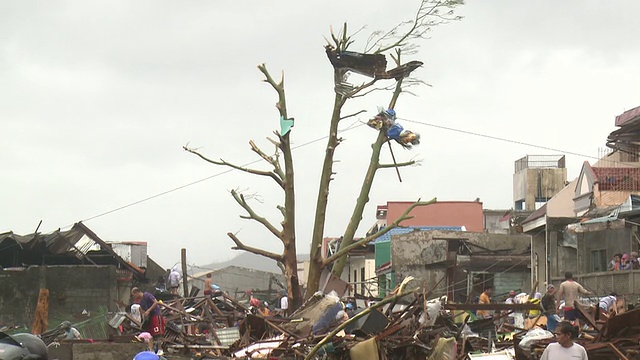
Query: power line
(508, 140)
(351, 127)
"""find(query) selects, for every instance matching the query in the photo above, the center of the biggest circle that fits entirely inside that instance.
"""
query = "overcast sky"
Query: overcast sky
(97, 99)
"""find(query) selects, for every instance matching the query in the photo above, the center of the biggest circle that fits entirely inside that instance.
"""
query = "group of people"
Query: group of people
(280, 308)
(563, 297)
(624, 262)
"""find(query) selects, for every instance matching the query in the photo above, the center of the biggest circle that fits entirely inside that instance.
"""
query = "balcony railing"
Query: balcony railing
(540, 162)
(624, 282)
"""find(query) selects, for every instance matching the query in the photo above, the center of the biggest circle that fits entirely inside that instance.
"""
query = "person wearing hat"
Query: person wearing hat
(70, 333)
(548, 303)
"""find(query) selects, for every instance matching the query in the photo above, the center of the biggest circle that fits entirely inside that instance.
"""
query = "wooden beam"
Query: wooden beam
(506, 307)
(617, 351)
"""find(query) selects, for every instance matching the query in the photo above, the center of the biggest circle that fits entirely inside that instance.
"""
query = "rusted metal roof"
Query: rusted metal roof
(617, 178)
(628, 116)
(76, 242)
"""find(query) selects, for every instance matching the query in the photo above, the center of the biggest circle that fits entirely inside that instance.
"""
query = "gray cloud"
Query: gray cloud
(97, 100)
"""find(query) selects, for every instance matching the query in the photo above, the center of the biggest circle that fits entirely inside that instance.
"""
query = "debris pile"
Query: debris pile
(617, 337)
(403, 325)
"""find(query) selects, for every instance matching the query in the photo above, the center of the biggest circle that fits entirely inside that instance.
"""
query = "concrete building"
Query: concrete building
(443, 215)
(384, 270)
(537, 178)
(239, 280)
(593, 218)
(461, 264)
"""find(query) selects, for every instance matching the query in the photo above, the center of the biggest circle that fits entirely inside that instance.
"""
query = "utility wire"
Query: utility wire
(509, 140)
(351, 127)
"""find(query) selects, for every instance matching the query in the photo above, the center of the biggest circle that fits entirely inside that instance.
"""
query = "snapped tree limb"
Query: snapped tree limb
(402, 164)
(239, 198)
(241, 246)
(270, 174)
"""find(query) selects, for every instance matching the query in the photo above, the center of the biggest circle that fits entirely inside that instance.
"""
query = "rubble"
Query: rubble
(404, 325)
(617, 337)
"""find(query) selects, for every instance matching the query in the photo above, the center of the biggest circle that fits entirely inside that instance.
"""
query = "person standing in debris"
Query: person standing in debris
(284, 304)
(565, 348)
(263, 309)
(569, 291)
(208, 285)
(510, 301)
(151, 316)
(174, 280)
(70, 333)
(548, 303)
(485, 298)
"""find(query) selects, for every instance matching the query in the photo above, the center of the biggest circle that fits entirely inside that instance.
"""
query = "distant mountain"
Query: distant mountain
(252, 261)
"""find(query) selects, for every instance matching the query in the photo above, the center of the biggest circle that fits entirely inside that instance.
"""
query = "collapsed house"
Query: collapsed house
(83, 274)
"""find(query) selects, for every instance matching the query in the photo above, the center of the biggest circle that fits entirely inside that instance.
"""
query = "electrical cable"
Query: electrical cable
(511, 141)
(351, 127)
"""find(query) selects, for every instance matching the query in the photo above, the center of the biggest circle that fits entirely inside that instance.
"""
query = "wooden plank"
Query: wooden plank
(586, 316)
(505, 307)
(617, 351)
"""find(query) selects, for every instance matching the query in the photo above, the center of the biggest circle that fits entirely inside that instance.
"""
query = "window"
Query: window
(355, 280)
(362, 281)
(598, 260)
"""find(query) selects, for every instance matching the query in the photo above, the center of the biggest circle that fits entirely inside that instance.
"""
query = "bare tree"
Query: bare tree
(372, 63)
(287, 260)
(402, 39)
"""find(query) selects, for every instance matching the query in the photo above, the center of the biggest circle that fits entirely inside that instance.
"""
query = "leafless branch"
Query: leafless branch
(239, 198)
(368, 239)
(354, 114)
(270, 174)
(386, 88)
(273, 160)
(402, 164)
(241, 246)
(428, 15)
(357, 89)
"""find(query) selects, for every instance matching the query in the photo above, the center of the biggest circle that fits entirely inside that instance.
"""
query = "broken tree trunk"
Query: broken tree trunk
(41, 318)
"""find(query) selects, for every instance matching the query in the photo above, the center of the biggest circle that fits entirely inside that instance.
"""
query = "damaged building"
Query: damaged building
(83, 274)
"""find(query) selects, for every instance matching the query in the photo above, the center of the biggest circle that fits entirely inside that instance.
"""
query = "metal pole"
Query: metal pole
(185, 285)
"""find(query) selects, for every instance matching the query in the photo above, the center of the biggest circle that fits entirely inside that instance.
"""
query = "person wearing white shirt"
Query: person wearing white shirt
(565, 348)
(284, 304)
